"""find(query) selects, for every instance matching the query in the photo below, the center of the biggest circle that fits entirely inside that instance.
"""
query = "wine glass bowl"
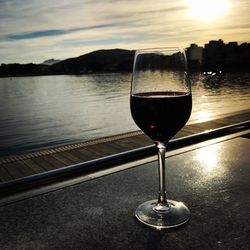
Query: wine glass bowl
(161, 103)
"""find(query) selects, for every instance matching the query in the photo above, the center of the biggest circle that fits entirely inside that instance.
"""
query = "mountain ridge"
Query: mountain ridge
(50, 61)
(99, 61)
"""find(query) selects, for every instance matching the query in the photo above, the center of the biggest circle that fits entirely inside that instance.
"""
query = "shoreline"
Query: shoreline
(244, 70)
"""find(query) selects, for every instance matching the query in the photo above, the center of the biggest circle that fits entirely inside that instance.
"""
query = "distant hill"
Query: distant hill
(50, 62)
(101, 61)
(114, 60)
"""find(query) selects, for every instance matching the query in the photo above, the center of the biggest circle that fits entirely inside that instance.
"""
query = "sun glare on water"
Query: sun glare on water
(208, 10)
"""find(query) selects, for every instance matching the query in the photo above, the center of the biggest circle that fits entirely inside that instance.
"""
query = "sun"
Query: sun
(208, 10)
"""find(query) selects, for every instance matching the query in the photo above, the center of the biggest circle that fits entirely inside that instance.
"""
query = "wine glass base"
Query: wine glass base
(160, 217)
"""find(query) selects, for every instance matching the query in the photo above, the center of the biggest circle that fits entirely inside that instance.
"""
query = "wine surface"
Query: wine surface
(160, 115)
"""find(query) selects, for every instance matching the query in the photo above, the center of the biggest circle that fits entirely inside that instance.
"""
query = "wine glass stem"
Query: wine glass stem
(161, 166)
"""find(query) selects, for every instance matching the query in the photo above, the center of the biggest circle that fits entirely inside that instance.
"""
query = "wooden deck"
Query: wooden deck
(19, 166)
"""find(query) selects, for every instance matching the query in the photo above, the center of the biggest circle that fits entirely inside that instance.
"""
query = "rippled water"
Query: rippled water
(37, 112)
(214, 96)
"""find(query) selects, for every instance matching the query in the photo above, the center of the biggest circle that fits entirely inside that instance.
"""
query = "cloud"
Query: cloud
(36, 34)
(54, 32)
(166, 10)
(33, 30)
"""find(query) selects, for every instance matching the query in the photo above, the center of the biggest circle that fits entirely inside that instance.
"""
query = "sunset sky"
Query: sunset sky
(37, 30)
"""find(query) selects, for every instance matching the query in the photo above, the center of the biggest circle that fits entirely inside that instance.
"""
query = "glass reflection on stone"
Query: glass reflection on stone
(209, 157)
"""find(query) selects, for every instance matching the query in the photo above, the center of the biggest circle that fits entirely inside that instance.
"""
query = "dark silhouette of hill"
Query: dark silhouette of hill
(113, 60)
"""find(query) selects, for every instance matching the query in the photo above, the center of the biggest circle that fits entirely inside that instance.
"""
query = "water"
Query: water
(37, 112)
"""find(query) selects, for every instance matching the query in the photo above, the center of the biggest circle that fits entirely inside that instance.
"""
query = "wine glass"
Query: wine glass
(161, 103)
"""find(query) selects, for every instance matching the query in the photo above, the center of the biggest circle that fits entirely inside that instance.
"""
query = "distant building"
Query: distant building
(195, 53)
(244, 55)
(194, 56)
(218, 56)
(232, 56)
(213, 55)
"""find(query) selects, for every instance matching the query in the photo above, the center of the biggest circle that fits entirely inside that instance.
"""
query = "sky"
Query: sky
(37, 30)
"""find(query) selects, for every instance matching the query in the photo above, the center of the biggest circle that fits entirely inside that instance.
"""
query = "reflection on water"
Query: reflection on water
(203, 114)
(42, 111)
(50, 110)
(219, 94)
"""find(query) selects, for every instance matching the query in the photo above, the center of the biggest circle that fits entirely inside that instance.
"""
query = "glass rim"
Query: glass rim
(158, 49)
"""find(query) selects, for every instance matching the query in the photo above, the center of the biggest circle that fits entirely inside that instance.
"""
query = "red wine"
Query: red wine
(160, 115)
